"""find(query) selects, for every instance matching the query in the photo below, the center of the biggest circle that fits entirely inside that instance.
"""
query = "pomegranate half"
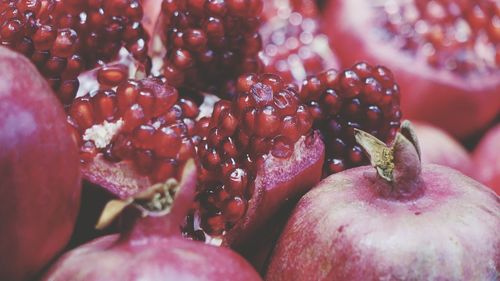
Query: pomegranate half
(39, 171)
(150, 246)
(397, 220)
(445, 54)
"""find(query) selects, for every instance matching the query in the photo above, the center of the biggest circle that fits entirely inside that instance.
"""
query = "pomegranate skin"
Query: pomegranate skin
(486, 159)
(341, 230)
(457, 104)
(438, 147)
(188, 260)
(397, 220)
(39, 171)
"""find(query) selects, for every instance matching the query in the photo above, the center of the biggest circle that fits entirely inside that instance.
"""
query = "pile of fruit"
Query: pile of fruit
(249, 140)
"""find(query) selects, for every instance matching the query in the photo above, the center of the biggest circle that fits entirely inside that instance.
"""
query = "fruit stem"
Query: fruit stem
(398, 164)
(157, 211)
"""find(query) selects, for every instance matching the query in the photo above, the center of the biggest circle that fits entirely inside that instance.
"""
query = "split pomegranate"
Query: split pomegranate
(293, 46)
(151, 247)
(39, 171)
(445, 53)
(361, 97)
(438, 147)
(397, 220)
(209, 43)
(63, 38)
(132, 133)
(256, 152)
(486, 159)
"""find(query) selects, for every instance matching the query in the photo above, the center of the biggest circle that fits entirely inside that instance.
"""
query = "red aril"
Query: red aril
(438, 147)
(256, 152)
(209, 43)
(362, 97)
(64, 38)
(131, 133)
(293, 46)
(397, 220)
(150, 246)
(39, 171)
(445, 54)
(486, 159)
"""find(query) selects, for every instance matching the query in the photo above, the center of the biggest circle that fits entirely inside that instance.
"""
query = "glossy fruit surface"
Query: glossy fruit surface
(438, 147)
(397, 220)
(486, 157)
(39, 171)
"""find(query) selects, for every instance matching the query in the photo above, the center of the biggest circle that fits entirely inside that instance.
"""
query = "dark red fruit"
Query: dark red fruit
(486, 159)
(210, 42)
(293, 46)
(39, 171)
(255, 152)
(63, 38)
(363, 97)
(132, 133)
(446, 54)
(150, 246)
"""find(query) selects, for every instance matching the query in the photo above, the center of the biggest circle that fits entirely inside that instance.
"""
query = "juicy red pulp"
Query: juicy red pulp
(153, 125)
(210, 42)
(363, 97)
(63, 38)
(266, 118)
(459, 36)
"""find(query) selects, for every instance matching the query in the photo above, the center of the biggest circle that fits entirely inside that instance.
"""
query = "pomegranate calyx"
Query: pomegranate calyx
(397, 164)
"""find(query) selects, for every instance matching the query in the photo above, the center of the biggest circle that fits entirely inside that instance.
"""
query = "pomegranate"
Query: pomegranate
(255, 152)
(64, 38)
(209, 43)
(486, 159)
(438, 147)
(397, 220)
(446, 54)
(131, 133)
(150, 246)
(39, 171)
(293, 46)
(364, 97)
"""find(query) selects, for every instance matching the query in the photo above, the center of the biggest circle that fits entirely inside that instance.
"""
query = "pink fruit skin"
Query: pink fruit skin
(39, 171)
(187, 260)
(438, 147)
(150, 248)
(344, 230)
(458, 105)
(486, 159)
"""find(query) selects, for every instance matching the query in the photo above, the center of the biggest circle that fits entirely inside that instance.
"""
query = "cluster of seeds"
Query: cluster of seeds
(210, 42)
(63, 38)
(460, 36)
(143, 121)
(294, 47)
(266, 116)
(363, 97)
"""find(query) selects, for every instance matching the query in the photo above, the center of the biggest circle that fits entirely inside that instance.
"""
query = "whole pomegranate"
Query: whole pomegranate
(397, 220)
(150, 246)
(438, 147)
(446, 54)
(39, 171)
(486, 159)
